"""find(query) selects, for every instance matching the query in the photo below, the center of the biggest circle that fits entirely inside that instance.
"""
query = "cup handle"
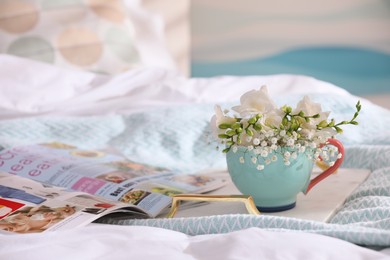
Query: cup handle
(331, 169)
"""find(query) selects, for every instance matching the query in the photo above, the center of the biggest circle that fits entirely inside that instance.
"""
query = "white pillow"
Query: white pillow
(176, 21)
(96, 35)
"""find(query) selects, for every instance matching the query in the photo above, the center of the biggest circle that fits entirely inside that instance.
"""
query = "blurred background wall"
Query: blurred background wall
(343, 42)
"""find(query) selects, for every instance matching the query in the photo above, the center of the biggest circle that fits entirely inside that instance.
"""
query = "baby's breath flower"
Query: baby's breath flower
(254, 159)
(257, 151)
(290, 142)
(256, 141)
(264, 153)
(274, 140)
(242, 160)
(250, 147)
(274, 158)
(235, 149)
(264, 143)
(260, 167)
(294, 155)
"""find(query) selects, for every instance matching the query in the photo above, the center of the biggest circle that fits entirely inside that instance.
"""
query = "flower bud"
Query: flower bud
(323, 123)
(230, 132)
(230, 143)
(338, 129)
(236, 125)
(257, 127)
(224, 126)
(239, 130)
(252, 120)
(316, 116)
(249, 132)
(287, 109)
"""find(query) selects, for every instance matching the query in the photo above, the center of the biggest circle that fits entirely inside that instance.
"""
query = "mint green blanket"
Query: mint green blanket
(177, 138)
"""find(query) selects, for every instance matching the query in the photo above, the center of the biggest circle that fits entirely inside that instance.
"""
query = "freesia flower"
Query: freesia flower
(255, 102)
(219, 119)
(310, 108)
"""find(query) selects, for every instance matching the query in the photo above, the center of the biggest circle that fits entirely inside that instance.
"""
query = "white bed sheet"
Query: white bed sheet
(128, 242)
(30, 88)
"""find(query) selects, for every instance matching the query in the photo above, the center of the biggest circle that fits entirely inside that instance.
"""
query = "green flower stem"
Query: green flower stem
(350, 122)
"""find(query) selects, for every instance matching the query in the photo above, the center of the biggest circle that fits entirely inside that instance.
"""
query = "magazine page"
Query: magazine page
(103, 174)
(27, 206)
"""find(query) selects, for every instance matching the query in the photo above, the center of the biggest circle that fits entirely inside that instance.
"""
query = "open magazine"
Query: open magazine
(57, 186)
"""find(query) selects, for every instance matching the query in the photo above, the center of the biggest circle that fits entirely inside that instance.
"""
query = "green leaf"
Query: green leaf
(223, 136)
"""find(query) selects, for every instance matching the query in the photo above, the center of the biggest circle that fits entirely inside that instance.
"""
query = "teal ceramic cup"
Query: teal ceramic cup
(275, 188)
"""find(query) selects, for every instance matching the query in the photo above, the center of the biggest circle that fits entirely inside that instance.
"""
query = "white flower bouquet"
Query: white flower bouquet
(260, 126)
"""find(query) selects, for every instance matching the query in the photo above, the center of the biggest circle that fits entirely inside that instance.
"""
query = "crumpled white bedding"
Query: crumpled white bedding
(129, 242)
(32, 88)
(29, 88)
